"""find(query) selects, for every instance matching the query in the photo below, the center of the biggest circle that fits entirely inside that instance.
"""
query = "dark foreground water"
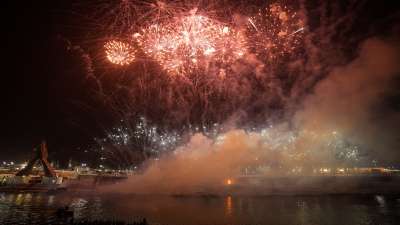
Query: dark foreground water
(168, 210)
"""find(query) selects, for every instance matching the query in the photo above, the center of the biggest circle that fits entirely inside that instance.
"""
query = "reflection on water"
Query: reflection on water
(355, 210)
(24, 209)
(228, 205)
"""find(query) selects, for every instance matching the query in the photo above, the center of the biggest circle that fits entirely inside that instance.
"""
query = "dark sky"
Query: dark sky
(24, 82)
(37, 85)
(42, 85)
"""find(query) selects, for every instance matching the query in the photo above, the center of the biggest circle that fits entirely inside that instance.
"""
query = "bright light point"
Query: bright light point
(209, 51)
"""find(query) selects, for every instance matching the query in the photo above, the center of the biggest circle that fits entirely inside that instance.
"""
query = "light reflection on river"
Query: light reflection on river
(277, 210)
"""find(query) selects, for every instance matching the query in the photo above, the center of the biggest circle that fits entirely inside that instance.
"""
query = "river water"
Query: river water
(194, 210)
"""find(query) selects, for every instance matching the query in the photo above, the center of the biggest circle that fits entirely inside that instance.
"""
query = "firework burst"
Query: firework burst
(119, 53)
(190, 43)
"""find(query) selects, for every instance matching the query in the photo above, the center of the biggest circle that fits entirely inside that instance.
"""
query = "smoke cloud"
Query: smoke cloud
(353, 100)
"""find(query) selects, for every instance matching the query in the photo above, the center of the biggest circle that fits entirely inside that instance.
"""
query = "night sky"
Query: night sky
(38, 84)
(43, 88)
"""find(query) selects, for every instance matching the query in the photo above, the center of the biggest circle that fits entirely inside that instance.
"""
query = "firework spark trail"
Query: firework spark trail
(187, 43)
(130, 143)
(122, 17)
(252, 24)
(297, 31)
(277, 32)
(190, 41)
